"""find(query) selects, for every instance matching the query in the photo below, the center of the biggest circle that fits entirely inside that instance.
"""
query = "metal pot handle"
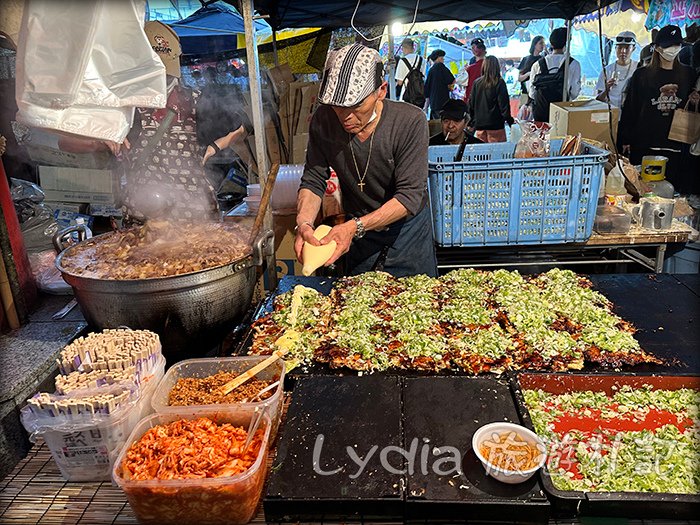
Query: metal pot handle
(263, 246)
(61, 236)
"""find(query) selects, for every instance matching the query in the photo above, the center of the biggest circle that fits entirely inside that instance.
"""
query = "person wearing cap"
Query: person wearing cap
(379, 150)
(453, 117)
(473, 70)
(619, 72)
(438, 83)
(409, 58)
(653, 94)
(550, 64)
(164, 178)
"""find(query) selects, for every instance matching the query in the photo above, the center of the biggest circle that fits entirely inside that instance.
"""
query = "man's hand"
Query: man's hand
(116, 148)
(342, 234)
(305, 233)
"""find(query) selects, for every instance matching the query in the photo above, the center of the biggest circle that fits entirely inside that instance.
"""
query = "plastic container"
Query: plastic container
(612, 219)
(206, 367)
(227, 500)
(253, 190)
(80, 221)
(660, 188)
(508, 476)
(86, 450)
(492, 199)
(284, 193)
(252, 202)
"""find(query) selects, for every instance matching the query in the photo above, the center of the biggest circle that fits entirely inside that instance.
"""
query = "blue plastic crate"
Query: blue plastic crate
(490, 198)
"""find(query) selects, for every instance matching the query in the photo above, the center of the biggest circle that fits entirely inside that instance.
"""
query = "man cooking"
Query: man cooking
(379, 150)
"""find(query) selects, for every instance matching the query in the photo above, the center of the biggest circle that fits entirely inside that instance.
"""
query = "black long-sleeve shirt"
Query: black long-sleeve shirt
(398, 164)
(489, 107)
(652, 97)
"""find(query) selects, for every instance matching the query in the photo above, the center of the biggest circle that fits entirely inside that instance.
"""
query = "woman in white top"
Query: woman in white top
(619, 72)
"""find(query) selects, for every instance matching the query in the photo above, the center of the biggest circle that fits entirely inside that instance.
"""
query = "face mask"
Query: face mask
(374, 115)
(669, 53)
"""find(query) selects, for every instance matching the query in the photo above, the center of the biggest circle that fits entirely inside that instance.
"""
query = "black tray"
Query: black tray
(609, 504)
(447, 411)
(358, 412)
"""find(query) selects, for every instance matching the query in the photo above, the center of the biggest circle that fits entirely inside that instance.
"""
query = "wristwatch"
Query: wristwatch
(360, 232)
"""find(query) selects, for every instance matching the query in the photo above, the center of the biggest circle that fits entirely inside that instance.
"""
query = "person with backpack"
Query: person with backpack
(547, 77)
(489, 104)
(410, 75)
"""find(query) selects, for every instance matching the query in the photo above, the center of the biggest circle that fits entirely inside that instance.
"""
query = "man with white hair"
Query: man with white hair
(379, 151)
(619, 72)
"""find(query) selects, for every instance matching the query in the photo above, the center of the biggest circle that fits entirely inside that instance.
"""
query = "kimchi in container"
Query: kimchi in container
(229, 500)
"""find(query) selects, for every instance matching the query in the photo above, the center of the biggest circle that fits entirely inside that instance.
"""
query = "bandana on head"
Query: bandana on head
(350, 76)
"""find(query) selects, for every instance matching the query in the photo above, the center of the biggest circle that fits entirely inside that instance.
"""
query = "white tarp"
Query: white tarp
(82, 67)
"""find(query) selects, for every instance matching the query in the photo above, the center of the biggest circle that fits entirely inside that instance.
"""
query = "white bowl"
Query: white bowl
(252, 202)
(253, 189)
(508, 476)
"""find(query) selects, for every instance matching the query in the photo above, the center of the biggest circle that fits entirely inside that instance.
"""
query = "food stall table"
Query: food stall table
(605, 249)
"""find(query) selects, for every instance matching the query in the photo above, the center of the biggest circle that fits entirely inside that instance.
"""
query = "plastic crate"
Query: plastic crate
(491, 198)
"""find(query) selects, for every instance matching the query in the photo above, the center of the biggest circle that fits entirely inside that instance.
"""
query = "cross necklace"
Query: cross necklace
(361, 178)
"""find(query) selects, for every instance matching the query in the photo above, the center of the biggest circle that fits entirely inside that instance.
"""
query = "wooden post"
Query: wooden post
(248, 9)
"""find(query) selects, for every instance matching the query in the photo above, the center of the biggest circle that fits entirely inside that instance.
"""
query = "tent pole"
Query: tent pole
(258, 121)
(275, 58)
(565, 93)
(391, 62)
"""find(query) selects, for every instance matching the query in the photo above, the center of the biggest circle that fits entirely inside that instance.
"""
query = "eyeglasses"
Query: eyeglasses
(624, 40)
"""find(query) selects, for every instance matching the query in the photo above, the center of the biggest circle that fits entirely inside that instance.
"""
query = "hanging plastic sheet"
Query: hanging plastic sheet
(82, 67)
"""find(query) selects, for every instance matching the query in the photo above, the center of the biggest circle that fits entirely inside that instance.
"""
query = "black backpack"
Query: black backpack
(414, 91)
(549, 87)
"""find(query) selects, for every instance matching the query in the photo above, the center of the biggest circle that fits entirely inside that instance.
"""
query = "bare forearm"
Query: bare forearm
(387, 214)
(308, 206)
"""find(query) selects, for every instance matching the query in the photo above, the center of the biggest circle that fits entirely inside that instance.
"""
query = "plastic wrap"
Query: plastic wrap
(82, 67)
(534, 141)
(47, 277)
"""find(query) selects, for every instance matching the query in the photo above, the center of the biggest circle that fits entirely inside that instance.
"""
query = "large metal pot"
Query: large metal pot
(191, 313)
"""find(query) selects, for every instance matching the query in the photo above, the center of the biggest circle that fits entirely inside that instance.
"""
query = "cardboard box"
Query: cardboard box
(590, 118)
(79, 185)
(74, 207)
(105, 210)
(299, 152)
(50, 148)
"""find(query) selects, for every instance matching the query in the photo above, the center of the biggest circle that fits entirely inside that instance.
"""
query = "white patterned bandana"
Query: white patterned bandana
(351, 74)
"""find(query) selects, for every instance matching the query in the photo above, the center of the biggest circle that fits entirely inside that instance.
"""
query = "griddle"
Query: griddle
(666, 314)
(447, 411)
(646, 505)
(350, 411)
(664, 308)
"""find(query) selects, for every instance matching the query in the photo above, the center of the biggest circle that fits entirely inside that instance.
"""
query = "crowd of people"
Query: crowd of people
(646, 92)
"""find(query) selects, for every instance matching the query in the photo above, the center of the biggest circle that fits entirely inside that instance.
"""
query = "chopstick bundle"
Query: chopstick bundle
(52, 405)
(95, 378)
(110, 350)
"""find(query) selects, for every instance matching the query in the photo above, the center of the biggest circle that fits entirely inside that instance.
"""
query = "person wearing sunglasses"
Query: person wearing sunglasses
(612, 82)
(653, 94)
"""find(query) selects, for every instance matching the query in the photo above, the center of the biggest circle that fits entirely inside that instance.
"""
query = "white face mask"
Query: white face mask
(669, 53)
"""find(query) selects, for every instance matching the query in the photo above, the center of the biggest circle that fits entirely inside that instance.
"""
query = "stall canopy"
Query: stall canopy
(337, 13)
(214, 28)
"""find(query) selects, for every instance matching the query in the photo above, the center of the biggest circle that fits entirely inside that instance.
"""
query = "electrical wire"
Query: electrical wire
(613, 138)
(354, 13)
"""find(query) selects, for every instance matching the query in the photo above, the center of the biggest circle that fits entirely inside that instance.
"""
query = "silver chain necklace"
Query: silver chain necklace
(361, 178)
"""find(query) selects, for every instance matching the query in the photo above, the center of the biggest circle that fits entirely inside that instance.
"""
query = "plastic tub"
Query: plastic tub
(226, 500)
(503, 475)
(206, 367)
(86, 450)
(490, 198)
